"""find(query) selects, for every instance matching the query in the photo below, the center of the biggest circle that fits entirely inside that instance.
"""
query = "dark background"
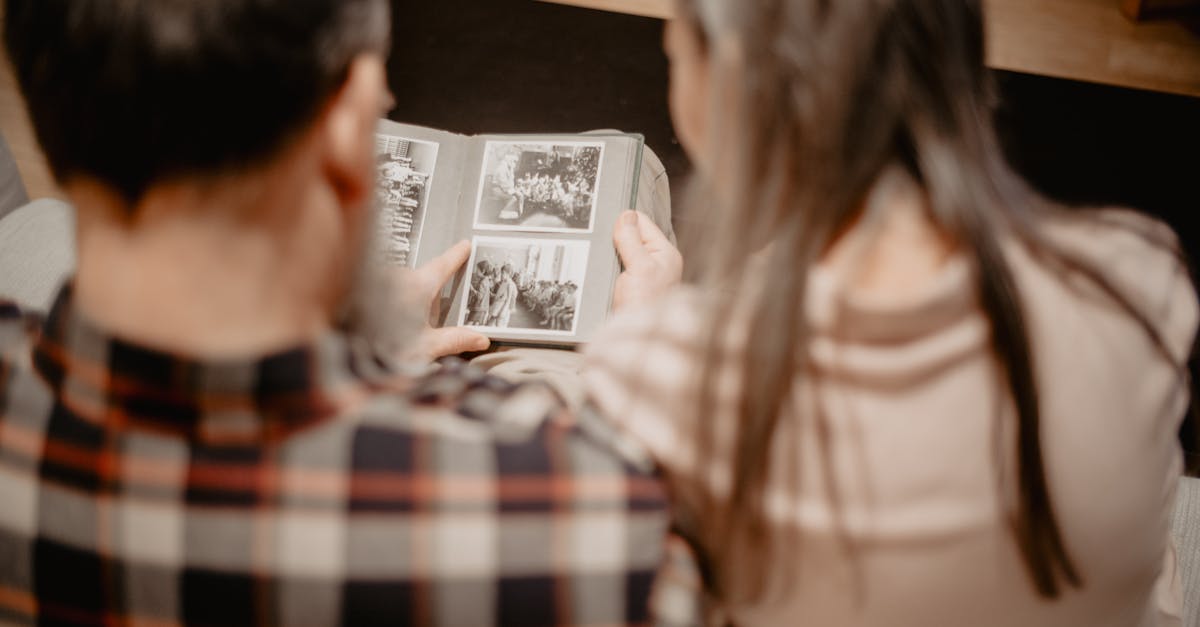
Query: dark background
(512, 66)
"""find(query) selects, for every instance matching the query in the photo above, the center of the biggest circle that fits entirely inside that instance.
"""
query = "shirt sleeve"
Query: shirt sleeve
(567, 516)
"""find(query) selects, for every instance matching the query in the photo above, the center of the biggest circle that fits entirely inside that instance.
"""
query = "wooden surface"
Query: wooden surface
(648, 8)
(1152, 9)
(1086, 40)
(1090, 40)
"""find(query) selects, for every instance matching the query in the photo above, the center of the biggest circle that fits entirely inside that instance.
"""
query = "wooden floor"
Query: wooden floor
(1086, 40)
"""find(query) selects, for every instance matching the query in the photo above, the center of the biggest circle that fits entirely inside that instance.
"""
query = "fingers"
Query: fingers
(628, 239)
(450, 341)
(661, 248)
(435, 274)
(652, 236)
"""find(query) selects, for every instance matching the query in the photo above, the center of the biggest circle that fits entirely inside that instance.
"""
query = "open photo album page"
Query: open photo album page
(406, 168)
(539, 213)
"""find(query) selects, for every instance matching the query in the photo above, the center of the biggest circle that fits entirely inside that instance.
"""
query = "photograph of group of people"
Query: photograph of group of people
(543, 187)
(405, 169)
(515, 282)
(525, 285)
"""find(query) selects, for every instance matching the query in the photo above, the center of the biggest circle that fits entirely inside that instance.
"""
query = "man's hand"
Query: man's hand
(652, 264)
(424, 286)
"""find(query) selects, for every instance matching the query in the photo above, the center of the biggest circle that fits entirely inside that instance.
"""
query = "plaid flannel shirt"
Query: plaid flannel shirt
(311, 487)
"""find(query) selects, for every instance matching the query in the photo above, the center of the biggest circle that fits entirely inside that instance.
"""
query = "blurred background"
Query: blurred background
(514, 66)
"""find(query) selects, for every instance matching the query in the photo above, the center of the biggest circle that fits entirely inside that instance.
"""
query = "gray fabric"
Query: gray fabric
(37, 252)
(1185, 528)
(654, 189)
(12, 190)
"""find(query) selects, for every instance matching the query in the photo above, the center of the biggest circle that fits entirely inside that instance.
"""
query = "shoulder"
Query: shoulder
(485, 465)
(1141, 259)
(1125, 234)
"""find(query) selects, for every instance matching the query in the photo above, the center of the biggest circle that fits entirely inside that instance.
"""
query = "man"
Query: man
(189, 439)
(504, 298)
(562, 313)
(480, 300)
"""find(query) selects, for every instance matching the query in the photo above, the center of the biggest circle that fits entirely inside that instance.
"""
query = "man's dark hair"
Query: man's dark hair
(134, 92)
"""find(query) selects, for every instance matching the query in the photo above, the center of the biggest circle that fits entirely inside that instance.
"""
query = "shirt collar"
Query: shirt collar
(112, 382)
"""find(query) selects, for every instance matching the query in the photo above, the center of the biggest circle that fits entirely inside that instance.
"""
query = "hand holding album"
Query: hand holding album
(652, 264)
(426, 284)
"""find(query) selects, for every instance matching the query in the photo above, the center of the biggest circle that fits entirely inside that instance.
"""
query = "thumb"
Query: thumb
(628, 240)
(454, 341)
(652, 237)
(438, 271)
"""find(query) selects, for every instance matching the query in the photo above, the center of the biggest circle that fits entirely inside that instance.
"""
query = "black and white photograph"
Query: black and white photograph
(406, 169)
(526, 285)
(542, 187)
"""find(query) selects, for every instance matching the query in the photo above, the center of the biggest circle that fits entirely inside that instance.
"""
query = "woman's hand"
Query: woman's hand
(424, 286)
(652, 264)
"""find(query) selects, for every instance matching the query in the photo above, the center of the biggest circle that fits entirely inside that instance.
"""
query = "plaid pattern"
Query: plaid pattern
(312, 487)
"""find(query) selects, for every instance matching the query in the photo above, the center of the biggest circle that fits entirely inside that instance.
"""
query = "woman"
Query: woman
(908, 391)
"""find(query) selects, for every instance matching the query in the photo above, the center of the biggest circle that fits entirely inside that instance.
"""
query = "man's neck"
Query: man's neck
(227, 274)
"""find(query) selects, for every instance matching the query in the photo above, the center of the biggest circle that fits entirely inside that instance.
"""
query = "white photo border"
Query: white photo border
(483, 174)
(514, 242)
(428, 192)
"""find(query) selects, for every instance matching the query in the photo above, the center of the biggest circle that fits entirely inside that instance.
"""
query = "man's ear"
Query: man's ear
(349, 127)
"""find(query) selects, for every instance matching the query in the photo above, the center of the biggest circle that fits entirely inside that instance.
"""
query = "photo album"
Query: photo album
(539, 211)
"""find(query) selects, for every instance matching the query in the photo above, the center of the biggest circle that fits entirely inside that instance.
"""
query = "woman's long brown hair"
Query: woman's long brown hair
(819, 98)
